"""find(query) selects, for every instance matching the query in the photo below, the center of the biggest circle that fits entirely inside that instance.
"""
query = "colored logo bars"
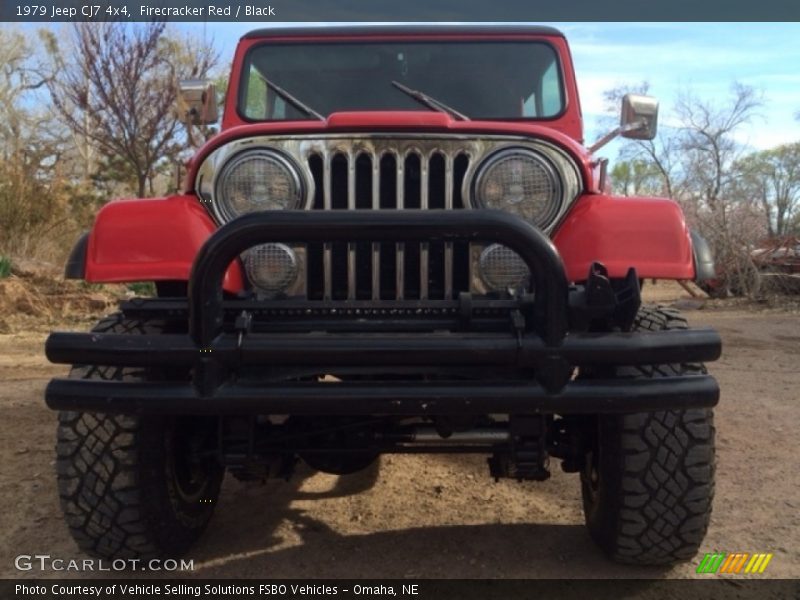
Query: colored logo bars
(736, 563)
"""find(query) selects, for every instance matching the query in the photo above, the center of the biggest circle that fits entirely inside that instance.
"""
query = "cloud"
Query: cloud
(672, 57)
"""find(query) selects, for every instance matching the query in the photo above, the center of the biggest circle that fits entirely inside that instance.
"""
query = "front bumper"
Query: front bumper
(544, 347)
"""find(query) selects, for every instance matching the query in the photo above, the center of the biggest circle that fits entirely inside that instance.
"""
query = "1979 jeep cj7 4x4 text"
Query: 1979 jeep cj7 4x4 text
(397, 243)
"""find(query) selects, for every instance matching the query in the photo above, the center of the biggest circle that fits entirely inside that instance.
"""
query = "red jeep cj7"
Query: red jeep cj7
(397, 243)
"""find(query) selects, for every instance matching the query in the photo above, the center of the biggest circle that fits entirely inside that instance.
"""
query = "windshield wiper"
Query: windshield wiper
(433, 103)
(291, 99)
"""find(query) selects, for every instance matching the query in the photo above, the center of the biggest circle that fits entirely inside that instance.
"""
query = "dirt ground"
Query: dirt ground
(442, 516)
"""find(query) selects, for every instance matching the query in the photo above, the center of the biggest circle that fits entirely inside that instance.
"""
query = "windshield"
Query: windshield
(482, 80)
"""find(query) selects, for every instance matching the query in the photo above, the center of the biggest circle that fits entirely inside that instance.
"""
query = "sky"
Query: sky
(701, 58)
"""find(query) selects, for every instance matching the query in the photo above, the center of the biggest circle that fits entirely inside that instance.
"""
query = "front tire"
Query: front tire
(648, 484)
(134, 487)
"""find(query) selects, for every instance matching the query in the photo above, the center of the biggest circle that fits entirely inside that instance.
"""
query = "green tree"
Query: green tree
(637, 177)
(772, 177)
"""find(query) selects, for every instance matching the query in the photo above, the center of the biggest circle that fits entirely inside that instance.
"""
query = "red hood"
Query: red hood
(395, 121)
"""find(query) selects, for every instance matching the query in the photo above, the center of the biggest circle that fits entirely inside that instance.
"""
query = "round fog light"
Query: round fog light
(272, 268)
(501, 268)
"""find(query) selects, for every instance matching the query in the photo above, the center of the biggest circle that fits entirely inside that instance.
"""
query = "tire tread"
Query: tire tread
(660, 506)
(105, 471)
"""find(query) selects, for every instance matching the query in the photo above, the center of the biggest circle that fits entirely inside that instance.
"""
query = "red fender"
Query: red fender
(153, 239)
(649, 234)
(131, 239)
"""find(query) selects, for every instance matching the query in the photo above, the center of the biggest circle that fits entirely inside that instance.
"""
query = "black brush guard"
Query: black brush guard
(543, 346)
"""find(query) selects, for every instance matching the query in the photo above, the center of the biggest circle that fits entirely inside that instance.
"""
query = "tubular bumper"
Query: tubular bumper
(541, 346)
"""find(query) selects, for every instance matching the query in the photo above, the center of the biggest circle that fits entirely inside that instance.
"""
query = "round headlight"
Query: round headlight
(272, 268)
(257, 180)
(502, 269)
(522, 182)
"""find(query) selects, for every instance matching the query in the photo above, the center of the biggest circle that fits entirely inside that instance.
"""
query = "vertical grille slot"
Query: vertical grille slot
(457, 255)
(375, 254)
(400, 250)
(388, 201)
(435, 270)
(460, 166)
(387, 174)
(364, 183)
(327, 249)
(341, 196)
(351, 247)
(339, 181)
(413, 198)
(315, 166)
(315, 276)
(436, 181)
(424, 248)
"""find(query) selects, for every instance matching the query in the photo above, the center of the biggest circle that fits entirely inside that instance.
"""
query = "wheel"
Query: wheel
(648, 483)
(134, 486)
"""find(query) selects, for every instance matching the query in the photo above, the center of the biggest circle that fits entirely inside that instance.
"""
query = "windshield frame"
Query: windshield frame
(244, 75)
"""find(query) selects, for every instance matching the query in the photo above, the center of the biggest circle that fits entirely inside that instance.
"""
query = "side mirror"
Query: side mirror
(197, 102)
(639, 117)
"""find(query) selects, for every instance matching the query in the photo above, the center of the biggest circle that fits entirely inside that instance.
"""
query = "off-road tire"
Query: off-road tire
(126, 488)
(649, 482)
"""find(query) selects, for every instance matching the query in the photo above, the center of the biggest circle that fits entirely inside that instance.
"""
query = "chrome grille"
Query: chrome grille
(385, 171)
(357, 178)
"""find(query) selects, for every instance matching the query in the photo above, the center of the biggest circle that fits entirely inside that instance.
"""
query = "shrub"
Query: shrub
(5, 267)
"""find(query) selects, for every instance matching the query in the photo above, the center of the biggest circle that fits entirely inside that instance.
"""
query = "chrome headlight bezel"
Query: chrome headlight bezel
(494, 161)
(558, 166)
(214, 168)
(222, 208)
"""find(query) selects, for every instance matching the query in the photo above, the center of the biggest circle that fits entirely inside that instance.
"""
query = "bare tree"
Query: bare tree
(117, 88)
(33, 189)
(708, 143)
(699, 161)
(712, 182)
